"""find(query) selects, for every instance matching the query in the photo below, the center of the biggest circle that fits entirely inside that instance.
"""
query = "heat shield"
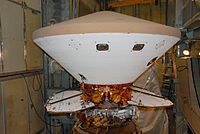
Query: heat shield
(106, 48)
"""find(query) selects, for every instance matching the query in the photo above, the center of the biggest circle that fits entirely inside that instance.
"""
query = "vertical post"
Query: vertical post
(3, 125)
(44, 5)
(166, 12)
(70, 9)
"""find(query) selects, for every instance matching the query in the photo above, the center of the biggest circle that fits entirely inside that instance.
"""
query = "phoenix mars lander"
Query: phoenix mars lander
(105, 52)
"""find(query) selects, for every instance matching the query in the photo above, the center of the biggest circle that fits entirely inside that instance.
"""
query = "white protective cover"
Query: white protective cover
(73, 44)
(144, 98)
(153, 120)
(78, 54)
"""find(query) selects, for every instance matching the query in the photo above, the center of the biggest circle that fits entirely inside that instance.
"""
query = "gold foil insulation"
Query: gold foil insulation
(118, 94)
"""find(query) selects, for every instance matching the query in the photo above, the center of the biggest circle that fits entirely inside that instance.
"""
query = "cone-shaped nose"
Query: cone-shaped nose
(105, 47)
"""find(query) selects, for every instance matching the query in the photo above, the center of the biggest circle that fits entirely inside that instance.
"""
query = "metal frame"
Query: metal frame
(185, 13)
(129, 3)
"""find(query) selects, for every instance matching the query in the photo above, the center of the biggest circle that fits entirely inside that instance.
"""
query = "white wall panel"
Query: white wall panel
(13, 38)
(20, 117)
(35, 4)
(15, 107)
(35, 123)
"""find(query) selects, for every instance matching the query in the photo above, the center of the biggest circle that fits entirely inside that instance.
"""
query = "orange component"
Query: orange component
(116, 98)
(128, 3)
(97, 97)
(119, 94)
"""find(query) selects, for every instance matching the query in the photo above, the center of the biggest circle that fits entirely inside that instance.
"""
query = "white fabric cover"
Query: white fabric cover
(151, 121)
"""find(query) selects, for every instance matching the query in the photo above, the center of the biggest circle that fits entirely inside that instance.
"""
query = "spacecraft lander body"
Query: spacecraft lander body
(106, 52)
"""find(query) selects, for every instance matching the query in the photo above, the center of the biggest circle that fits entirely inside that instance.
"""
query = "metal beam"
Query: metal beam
(193, 23)
(19, 74)
(128, 3)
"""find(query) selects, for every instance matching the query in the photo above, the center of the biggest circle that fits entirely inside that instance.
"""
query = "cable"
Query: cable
(37, 76)
(39, 81)
(33, 83)
(32, 104)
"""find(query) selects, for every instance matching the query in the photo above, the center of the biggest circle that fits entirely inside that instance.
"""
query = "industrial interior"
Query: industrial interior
(99, 66)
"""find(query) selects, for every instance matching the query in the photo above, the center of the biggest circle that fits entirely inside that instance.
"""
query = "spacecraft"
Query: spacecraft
(106, 51)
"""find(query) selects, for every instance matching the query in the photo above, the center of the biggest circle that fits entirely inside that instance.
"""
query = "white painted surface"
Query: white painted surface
(77, 53)
(145, 100)
(74, 104)
(69, 105)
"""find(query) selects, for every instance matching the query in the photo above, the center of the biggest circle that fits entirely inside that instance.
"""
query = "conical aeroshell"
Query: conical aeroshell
(106, 47)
